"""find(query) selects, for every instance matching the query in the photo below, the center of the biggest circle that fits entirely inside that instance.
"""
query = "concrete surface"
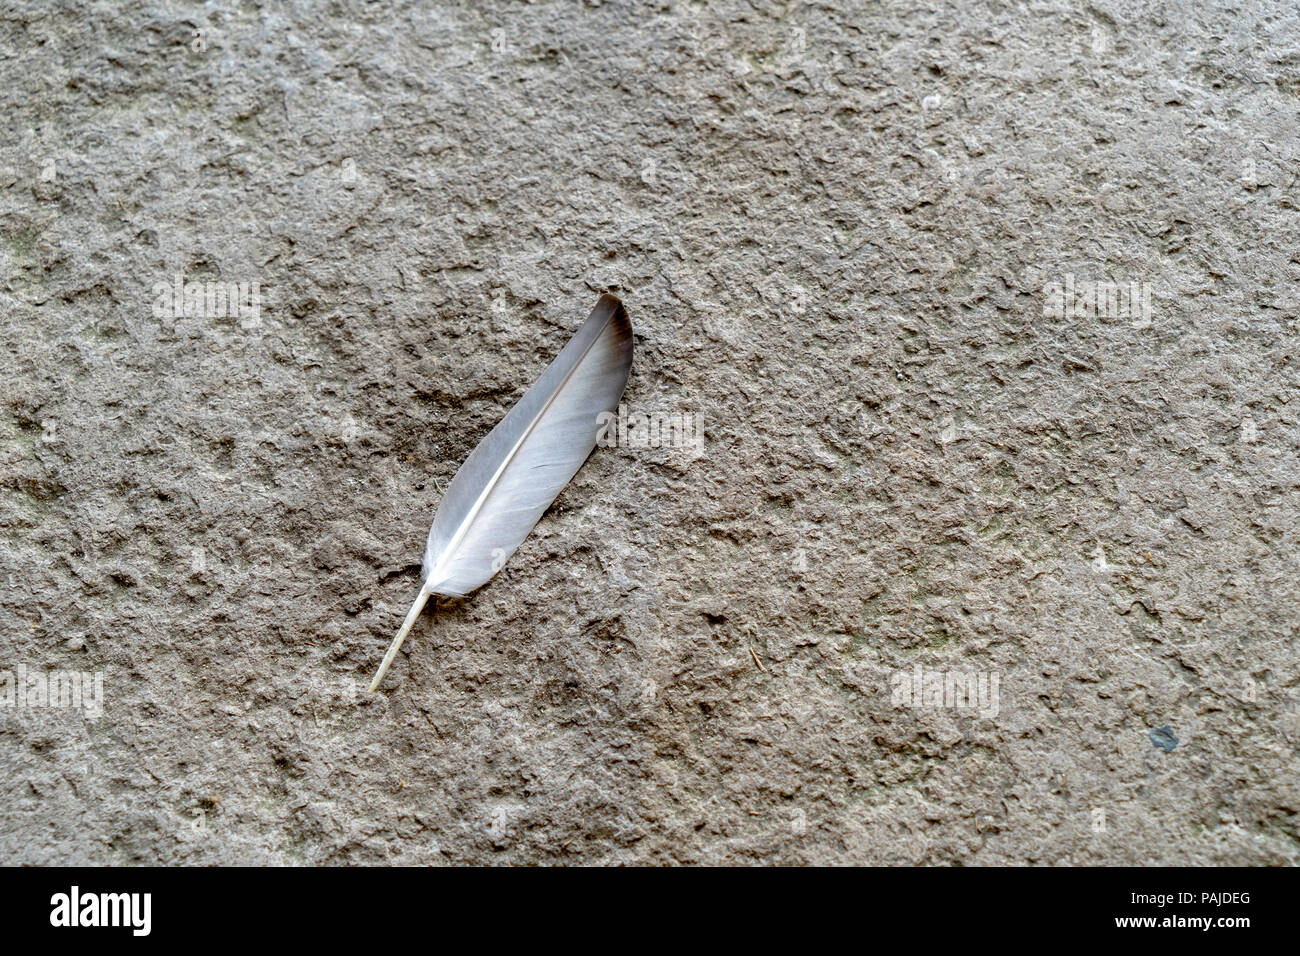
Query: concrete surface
(840, 230)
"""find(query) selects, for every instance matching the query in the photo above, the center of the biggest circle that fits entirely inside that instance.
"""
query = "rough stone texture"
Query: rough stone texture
(833, 225)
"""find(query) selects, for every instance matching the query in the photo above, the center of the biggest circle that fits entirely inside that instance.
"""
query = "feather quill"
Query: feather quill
(514, 474)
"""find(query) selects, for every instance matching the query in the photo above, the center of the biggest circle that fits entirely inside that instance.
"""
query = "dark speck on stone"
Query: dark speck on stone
(1163, 737)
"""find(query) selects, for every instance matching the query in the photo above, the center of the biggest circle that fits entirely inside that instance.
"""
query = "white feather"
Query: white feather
(511, 478)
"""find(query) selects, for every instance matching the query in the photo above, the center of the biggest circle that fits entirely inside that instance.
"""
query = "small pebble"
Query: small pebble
(1163, 737)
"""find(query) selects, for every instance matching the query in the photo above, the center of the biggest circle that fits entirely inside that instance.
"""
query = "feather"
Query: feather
(514, 474)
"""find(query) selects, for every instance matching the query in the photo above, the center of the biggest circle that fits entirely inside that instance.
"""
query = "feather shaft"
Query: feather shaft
(393, 648)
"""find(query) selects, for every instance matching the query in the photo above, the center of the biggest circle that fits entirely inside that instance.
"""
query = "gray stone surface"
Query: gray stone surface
(835, 226)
